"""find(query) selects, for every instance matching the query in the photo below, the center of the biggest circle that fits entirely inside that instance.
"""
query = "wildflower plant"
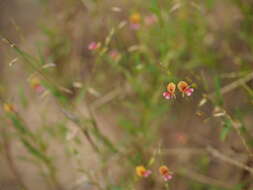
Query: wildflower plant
(105, 112)
(170, 93)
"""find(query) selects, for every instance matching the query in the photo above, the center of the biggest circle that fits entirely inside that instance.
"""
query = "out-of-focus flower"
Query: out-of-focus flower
(36, 85)
(135, 21)
(170, 93)
(165, 172)
(185, 88)
(150, 19)
(9, 108)
(94, 46)
(141, 171)
(115, 55)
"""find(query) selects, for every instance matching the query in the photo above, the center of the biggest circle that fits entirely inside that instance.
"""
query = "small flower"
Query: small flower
(94, 46)
(9, 108)
(165, 172)
(185, 88)
(150, 19)
(36, 85)
(170, 93)
(114, 55)
(135, 20)
(141, 171)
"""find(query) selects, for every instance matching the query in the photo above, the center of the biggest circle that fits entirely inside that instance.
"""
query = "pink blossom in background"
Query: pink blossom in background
(135, 26)
(189, 91)
(114, 55)
(167, 95)
(36, 85)
(150, 19)
(93, 46)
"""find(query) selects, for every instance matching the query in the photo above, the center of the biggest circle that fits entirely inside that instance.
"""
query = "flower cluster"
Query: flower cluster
(135, 20)
(182, 86)
(166, 174)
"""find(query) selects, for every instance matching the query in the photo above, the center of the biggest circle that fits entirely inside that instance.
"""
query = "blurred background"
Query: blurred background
(81, 91)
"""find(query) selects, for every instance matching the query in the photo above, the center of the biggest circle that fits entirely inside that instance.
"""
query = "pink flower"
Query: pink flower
(189, 91)
(93, 46)
(170, 93)
(150, 19)
(36, 85)
(39, 88)
(185, 88)
(165, 172)
(135, 21)
(135, 26)
(147, 173)
(167, 177)
(141, 171)
(115, 55)
(167, 95)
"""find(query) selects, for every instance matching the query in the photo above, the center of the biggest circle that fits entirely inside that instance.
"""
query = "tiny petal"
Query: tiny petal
(147, 173)
(189, 91)
(167, 95)
(167, 177)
